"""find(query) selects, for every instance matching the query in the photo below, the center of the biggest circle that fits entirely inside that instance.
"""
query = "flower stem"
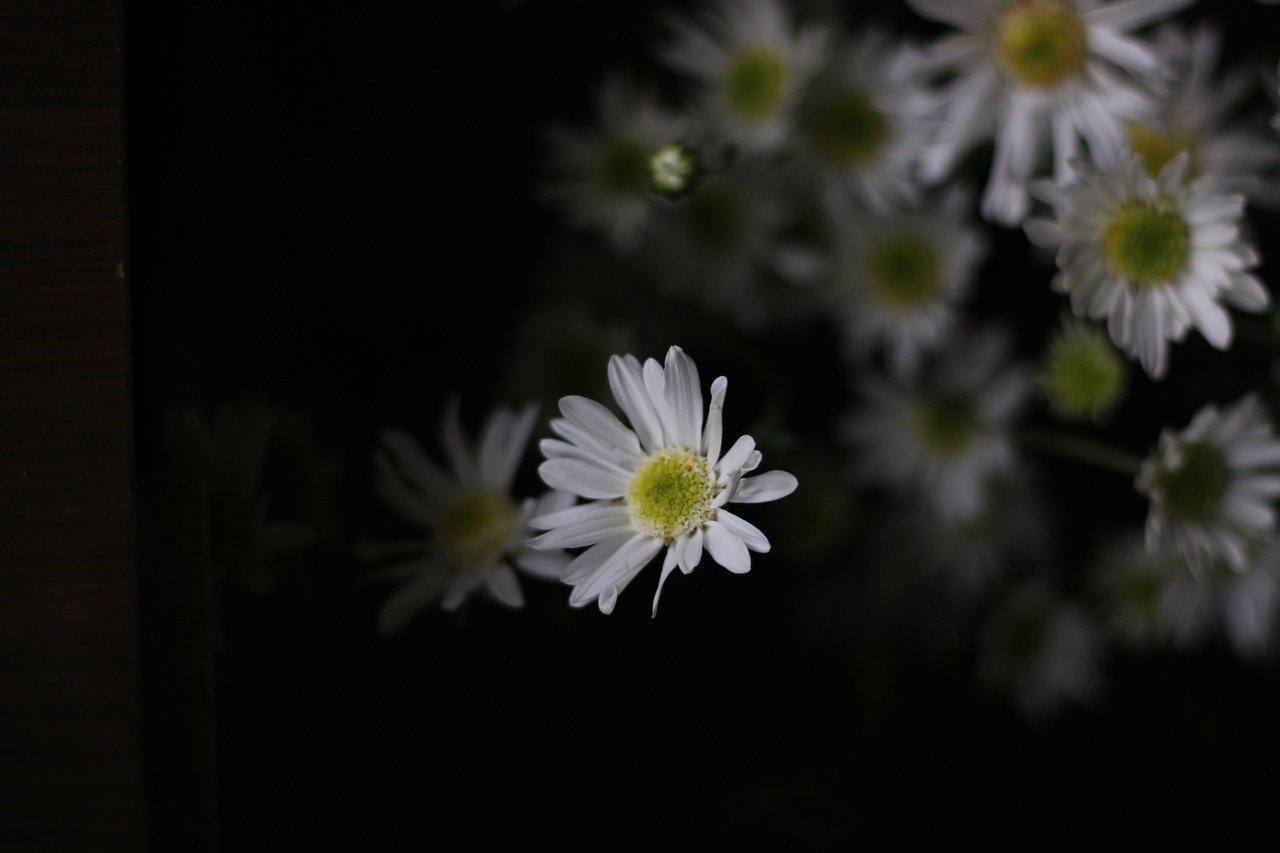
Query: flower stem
(1079, 448)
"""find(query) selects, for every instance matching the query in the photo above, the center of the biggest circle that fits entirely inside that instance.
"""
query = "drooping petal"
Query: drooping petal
(744, 530)
(726, 548)
(668, 564)
(503, 585)
(765, 487)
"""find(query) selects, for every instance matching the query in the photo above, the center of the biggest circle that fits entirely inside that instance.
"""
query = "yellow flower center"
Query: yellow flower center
(1193, 484)
(1083, 375)
(945, 427)
(671, 493)
(1040, 43)
(755, 83)
(848, 129)
(475, 529)
(902, 271)
(622, 168)
(1146, 244)
(1158, 147)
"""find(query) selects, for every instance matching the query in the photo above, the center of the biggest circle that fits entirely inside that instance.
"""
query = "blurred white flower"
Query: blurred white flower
(752, 65)
(1041, 651)
(1154, 256)
(945, 437)
(603, 176)
(475, 531)
(898, 278)
(661, 483)
(1032, 72)
(1211, 486)
(863, 124)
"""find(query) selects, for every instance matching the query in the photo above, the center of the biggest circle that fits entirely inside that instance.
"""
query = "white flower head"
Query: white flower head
(1039, 73)
(898, 279)
(1194, 116)
(1211, 486)
(663, 482)
(604, 176)
(753, 66)
(475, 530)
(1153, 256)
(863, 124)
(944, 438)
(1040, 651)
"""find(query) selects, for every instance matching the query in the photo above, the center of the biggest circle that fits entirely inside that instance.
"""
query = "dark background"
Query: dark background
(331, 205)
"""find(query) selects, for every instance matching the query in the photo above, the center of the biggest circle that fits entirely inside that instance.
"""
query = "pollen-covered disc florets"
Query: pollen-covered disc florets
(475, 528)
(1040, 43)
(671, 493)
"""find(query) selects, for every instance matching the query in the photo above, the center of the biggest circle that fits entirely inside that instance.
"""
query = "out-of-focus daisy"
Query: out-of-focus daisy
(661, 483)
(946, 437)
(1211, 486)
(897, 278)
(603, 177)
(864, 122)
(475, 531)
(1155, 598)
(1194, 118)
(1034, 72)
(1040, 651)
(1081, 374)
(719, 246)
(752, 64)
(222, 459)
(1154, 256)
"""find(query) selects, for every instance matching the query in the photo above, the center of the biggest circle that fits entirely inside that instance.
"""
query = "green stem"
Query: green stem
(1079, 448)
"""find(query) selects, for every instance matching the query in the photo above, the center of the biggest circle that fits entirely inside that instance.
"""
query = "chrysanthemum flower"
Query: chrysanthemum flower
(1154, 256)
(475, 530)
(604, 177)
(753, 65)
(863, 124)
(898, 278)
(1041, 651)
(1081, 375)
(1037, 71)
(1211, 486)
(1194, 117)
(946, 437)
(661, 483)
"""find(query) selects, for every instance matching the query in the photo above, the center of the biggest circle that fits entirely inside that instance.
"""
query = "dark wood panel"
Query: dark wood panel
(70, 733)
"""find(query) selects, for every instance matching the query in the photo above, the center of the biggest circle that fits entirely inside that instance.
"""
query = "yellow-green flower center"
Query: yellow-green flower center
(622, 168)
(717, 217)
(1146, 244)
(755, 83)
(1158, 147)
(1040, 43)
(1194, 482)
(848, 129)
(902, 271)
(671, 493)
(671, 169)
(945, 427)
(1083, 375)
(475, 528)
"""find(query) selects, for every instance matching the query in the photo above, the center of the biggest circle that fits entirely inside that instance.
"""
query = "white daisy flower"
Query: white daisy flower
(898, 278)
(1033, 72)
(753, 65)
(603, 177)
(475, 530)
(1041, 652)
(1211, 486)
(1081, 374)
(1235, 156)
(864, 123)
(661, 483)
(947, 437)
(1154, 256)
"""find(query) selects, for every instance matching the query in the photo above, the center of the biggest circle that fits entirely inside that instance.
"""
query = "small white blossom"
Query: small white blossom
(662, 483)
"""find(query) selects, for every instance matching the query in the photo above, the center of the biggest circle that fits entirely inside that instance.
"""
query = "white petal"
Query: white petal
(768, 486)
(584, 478)
(456, 447)
(738, 454)
(503, 585)
(744, 530)
(600, 423)
(668, 563)
(712, 432)
(591, 526)
(549, 565)
(502, 445)
(684, 399)
(408, 601)
(627, 382)
(726, 548)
